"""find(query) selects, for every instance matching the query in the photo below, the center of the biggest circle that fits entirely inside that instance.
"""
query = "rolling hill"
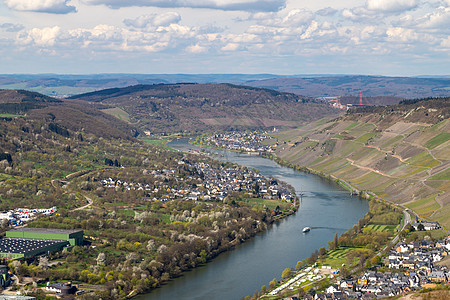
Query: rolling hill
(194, 108)
(372, 86)
(68, 114)
(400, 153)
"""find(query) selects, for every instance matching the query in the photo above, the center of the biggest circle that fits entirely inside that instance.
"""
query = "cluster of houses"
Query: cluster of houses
(20, 216)
(250, 141)
(213, 183)
(413, 267)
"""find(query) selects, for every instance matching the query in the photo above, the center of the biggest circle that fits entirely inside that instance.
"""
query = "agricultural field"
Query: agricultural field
(118, 113)
(381, 228)
(335, 258)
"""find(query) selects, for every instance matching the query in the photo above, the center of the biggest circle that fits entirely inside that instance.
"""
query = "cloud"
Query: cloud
(327, 11)
(44, 6)
(236, 5)
(391, 5)
(44, 37)
(440, 19)
(154, 20)
(10, 27)
(196, 49)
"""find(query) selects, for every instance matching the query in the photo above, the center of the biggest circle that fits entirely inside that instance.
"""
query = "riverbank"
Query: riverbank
(242, 270)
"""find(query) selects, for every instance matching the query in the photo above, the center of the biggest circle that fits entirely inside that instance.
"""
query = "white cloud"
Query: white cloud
(230, 47)
(391, 5)
(45, 6)
(440, 18)
(196, 49)
(45, 37)
(236, 5)
(153, 20)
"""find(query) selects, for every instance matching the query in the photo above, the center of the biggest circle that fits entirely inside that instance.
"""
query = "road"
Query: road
(87, 205)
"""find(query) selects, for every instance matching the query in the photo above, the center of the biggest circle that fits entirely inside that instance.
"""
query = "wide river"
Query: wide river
(325, 207)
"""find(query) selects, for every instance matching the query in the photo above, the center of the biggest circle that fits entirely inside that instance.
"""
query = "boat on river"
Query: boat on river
(306, 229)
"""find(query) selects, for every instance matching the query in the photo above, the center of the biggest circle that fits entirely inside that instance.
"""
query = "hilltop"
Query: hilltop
(195, 108)
(73, 115)
(400, 153)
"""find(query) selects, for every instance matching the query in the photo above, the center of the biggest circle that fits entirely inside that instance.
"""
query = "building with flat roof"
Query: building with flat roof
(18, 248)
(74, 237)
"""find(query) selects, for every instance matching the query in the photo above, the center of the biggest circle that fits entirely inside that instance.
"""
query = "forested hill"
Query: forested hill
(400, 153)
(74, 116)
(206, 107)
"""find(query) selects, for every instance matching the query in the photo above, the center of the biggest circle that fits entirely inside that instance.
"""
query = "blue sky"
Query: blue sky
(373, 37)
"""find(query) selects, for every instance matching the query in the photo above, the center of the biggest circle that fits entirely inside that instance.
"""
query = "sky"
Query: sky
(286, 37)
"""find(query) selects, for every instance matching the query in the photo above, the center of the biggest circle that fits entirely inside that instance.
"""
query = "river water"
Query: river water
(325, 207)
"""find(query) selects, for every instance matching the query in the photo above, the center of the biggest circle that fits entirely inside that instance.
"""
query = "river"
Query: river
(325, 207)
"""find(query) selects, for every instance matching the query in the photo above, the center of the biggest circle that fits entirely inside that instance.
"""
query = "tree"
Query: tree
(286, 273)
(420, 227)
(335, 241)
(375, 260)
(43, 262)
(273, 283)
(101, 259)
(322, 251)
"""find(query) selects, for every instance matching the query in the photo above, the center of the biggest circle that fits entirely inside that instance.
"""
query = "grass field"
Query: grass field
(444, 175)
(425, 206)
(118, 113)
(365, 137)
(423, 160)
(158, 142)
(381, 228)
(270, 204)
(336, 258)
(9, 116)
(438, 140)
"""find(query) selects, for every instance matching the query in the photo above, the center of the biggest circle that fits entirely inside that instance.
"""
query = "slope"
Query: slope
(68, 114)
(207, 107)
(401, 153)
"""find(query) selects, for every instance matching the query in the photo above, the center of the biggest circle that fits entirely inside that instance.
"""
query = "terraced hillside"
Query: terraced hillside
(400, 153)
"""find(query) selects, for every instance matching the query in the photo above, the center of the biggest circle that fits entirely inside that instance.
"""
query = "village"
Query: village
(410, 267)
(250, 141)
(211, 184)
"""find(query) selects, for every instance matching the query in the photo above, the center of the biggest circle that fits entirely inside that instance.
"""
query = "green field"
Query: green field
(9, 116)
(118, 113)
(444, 175)
(425, 206)
(263, 203)
(336, 258)
(381, 228)
(365, 137)
(423, 160)
(438, 140)
(159, 142)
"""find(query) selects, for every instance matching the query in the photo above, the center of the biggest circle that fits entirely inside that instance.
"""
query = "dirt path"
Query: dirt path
(369, 168)
(87, 205)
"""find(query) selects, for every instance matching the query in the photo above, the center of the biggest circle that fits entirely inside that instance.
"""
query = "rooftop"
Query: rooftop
(19, 245)
(44, 230)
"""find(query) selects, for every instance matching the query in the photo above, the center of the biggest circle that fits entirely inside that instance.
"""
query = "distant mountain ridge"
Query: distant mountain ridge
(313, 85)
(403, 87)
(208, 107)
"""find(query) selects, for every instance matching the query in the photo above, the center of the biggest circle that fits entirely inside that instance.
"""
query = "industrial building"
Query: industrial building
(74, 237)
(28, 242)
